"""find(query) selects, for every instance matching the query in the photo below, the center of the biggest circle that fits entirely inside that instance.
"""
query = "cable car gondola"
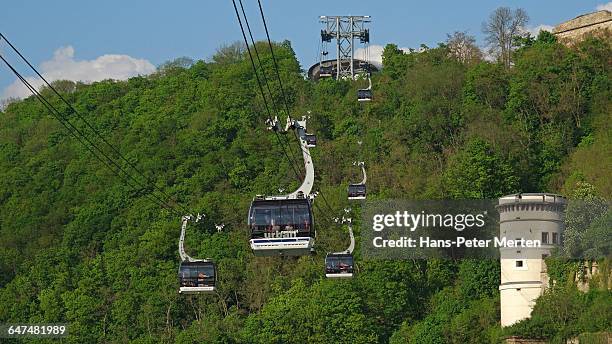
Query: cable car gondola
(311, 140)
(358, 191)
(281, 226)
(326, 71)
(196, 276)
(199, 276)
(364, 95)
(284, 224)
(339, 265)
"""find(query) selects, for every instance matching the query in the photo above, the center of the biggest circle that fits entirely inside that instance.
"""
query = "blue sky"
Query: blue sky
(142, 34)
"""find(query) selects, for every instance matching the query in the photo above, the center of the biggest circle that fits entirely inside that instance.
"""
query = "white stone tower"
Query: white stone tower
(529, 216)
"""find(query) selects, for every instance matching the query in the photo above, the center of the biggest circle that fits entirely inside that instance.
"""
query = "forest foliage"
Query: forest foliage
(81, 247)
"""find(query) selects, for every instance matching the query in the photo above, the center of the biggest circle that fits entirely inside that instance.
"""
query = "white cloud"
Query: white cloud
(607, 7)
(63, 66)
(375, 56)
(535, 30)
(489, 55)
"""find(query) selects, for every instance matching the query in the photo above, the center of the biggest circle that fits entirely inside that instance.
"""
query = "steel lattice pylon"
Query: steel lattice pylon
(345, 29)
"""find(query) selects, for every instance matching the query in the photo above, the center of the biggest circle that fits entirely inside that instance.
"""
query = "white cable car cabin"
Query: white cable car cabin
(284, 225)
(196, 276)
(311, 140)
(341, 264)
(326, 71)
(365, 94)
(281, 227)
(358, 191)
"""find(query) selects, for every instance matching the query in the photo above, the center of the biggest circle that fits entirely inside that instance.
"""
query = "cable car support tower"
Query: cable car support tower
(345, 30)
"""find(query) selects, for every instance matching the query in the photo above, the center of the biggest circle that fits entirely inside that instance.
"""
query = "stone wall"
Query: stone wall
(520, 340)
(587, 24)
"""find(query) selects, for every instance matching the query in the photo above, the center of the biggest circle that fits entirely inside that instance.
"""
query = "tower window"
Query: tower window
(555, 238)
(544, 237)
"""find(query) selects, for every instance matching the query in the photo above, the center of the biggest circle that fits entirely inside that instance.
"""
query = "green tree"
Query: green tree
(479, 172)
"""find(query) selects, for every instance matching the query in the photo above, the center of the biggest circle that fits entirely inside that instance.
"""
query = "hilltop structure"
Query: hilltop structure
(577, 29)
(314, 72)
(347, 32)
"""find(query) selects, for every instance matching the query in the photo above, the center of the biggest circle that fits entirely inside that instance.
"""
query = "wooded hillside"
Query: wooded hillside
(79, 246)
